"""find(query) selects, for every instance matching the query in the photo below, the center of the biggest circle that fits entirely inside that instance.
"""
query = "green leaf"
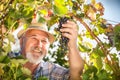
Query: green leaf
(17, 62)
(44, 12)
(19, 57)
(98, 63)
(4, 59)
(52, 21)
(1, 70)
(26, 71)
(28, 12)
(107, 67)
(97, 52)
(90, 73)
(28, 79)
(11, 38)
(59, 7)
(7, 48)
(19, 73)
(114, 57)
(40, 19)
(83, 48)
(43, 78)
(81, 15)
(21, 61)
(1, 43)
(100, 29)
(103, 75)
(69, 2)
(88, 35)
(25, 26)
(9, 22)
(30, 1)
(117, 36)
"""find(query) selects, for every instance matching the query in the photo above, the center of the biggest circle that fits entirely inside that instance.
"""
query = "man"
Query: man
(34, 43)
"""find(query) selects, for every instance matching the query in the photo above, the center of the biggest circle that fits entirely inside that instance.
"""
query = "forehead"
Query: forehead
(36, 32)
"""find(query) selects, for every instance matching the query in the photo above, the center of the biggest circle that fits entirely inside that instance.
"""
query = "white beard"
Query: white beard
(32, 59)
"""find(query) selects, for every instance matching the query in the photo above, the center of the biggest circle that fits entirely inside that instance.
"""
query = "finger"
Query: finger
(67, 35)
(71, 25)
(67, 30)
(67, 25)
(71, 22)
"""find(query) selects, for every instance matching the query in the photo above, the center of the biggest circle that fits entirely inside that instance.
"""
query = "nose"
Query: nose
(39, 43)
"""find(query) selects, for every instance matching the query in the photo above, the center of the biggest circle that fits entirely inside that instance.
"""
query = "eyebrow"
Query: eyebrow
(31, 35)
(35, 35)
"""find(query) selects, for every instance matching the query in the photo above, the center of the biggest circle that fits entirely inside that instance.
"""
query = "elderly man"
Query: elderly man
(34, 43)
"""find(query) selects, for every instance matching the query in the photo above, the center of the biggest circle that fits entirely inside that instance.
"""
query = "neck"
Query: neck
(30, 66)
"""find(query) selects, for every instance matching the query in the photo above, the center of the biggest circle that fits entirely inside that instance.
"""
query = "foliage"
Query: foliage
(101, 64)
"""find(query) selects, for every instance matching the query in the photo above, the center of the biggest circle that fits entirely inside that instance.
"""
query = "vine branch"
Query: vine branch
(105, 51)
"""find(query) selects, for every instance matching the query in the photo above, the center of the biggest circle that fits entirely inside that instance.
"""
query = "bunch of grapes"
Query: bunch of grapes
(63, 40)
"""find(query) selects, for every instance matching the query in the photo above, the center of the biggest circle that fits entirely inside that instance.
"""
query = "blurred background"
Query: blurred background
(112, 10)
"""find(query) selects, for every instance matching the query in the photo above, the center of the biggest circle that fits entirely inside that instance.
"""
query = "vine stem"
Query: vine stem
(105, 51)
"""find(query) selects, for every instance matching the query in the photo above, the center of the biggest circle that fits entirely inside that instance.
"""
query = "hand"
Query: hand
(69, 30)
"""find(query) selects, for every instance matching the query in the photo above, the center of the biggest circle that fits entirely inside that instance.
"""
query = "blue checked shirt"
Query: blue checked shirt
(51, 71)
(48, 69)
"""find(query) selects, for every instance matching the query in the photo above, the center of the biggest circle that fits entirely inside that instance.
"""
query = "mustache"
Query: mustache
(36, 49)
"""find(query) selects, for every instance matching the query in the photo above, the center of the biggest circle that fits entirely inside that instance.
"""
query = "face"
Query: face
(34, 45)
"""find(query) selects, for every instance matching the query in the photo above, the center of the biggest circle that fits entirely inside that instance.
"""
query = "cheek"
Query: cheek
(29, 45)
(45, 47)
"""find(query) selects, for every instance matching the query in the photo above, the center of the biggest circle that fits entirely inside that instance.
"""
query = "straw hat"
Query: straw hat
(37, 26)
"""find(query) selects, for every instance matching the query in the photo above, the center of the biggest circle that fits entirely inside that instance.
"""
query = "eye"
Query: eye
(32, 38)
(44, 41)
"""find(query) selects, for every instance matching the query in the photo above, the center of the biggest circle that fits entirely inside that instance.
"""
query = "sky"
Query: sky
(112, 10)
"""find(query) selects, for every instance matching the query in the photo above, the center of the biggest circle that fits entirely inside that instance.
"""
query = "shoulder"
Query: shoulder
(58, 71)
(53, 67)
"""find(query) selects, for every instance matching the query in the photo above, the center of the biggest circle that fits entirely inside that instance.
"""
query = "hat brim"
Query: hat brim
(21, 32)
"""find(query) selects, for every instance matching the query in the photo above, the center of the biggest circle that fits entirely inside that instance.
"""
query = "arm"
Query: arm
(75, 61)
